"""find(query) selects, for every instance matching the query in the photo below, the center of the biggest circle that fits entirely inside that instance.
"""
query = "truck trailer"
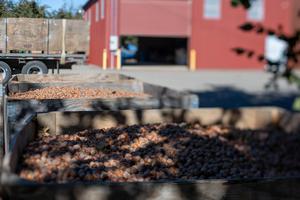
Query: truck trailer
(35, 46)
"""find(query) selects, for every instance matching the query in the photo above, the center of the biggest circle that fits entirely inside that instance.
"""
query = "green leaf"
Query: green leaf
(296, 104)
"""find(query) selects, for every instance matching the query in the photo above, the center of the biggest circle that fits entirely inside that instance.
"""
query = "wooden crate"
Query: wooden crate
(3, 35)
(160, 97)
(248, 118)
(77, 36)
(66, 78)
(55, 36)
(72, 37)
(25, 82)
(27, 34)
(264, 189)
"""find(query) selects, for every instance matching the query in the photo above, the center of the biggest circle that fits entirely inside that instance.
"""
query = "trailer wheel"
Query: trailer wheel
(35, 67)
(5, 71)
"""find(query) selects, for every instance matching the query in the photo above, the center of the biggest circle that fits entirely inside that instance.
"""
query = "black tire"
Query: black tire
(6, 71)
(35, 67)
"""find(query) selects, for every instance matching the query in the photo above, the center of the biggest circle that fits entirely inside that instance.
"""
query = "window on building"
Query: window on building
(257, 10)
(102, 9)
(97, 12)
(212, 9)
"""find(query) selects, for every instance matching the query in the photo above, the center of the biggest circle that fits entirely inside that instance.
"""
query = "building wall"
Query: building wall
(98, 36)
(280, 13)
(101, 31)
(155, 18)
(296, 15)
(213, 40)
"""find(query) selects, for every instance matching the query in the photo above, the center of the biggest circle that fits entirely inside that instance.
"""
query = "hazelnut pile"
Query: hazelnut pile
(74, 93)
(161, 152)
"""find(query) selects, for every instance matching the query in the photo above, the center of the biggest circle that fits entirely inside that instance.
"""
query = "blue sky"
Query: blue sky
(55, 4)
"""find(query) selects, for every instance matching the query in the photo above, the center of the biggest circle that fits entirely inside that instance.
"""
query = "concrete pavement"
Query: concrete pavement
(216, 88)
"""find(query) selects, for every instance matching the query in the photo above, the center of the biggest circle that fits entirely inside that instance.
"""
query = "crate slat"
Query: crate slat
(3, 35)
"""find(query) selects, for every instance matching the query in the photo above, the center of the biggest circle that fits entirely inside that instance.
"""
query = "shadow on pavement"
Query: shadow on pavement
(230, 98)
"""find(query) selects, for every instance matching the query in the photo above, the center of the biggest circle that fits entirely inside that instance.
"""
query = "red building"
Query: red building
(206, 29)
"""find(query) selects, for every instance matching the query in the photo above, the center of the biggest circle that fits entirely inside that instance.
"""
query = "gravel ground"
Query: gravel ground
(161, 152)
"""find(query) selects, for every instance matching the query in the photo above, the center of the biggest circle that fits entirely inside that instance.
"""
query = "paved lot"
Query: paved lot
(222, 88)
